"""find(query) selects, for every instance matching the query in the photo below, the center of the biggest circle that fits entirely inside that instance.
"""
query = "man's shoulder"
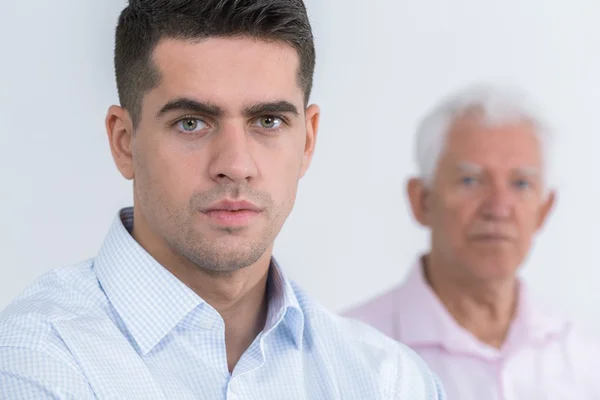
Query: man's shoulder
(60, 294)
(365, 350)
(349, 328)
(576, 335)
(583, 342)
(380, 311)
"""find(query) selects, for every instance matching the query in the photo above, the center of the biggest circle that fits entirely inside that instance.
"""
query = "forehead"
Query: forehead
(227, 71)
(493, 146)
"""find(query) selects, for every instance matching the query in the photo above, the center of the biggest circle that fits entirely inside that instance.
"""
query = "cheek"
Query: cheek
(527, 220)
(168, 173)
(280, 171)
(454, 227)
(456, 214)
(456, 222)
(283, 157)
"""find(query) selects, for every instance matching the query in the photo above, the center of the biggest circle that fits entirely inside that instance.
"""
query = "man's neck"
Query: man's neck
(240, 296)
(242, 301)
(485, 308)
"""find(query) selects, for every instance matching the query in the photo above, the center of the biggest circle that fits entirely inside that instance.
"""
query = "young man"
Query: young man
(184, 299)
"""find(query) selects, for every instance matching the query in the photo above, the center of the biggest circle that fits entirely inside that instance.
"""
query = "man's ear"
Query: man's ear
(547, 207)
(417, 195)
(313, 114)
(119, 128)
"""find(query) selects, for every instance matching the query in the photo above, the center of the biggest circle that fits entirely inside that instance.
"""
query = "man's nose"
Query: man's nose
(499, 202)
(232, 160)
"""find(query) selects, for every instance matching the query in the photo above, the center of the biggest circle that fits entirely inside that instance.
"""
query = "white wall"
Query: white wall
(381, 63)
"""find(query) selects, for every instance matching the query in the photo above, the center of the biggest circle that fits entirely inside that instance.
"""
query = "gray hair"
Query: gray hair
(494, 105)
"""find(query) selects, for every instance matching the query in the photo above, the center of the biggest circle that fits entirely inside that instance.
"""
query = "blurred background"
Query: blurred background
(380, 65)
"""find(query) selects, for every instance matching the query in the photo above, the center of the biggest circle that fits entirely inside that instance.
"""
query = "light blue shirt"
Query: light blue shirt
(121, 326)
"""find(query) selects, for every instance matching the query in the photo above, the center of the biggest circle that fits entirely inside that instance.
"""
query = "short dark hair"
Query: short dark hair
(143, 23)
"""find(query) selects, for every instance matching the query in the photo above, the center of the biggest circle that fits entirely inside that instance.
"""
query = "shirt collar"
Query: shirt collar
(151, 301)
(283, 305)
(424, 321)
(534, 323)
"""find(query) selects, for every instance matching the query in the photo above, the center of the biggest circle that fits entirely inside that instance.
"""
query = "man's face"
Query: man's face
(221, 144)
(487, 199)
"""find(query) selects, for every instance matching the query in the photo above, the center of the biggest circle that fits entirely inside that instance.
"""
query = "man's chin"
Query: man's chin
(224, 259)
(496, 271)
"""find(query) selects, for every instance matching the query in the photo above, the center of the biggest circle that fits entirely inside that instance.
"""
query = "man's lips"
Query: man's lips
(492, 237)
(232, 213)
(230, 205)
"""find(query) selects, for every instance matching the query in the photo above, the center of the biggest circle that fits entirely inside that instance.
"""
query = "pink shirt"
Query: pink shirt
(544, 357)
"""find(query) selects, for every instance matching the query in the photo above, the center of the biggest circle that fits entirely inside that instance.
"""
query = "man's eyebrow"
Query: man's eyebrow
(185, 104)
(469, 168)
(276, 107)
(530, 171)
(475, 169)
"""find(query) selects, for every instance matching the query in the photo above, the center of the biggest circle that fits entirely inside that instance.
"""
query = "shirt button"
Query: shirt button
(231, 392)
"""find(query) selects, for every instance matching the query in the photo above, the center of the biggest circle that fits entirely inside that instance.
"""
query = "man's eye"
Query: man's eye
(191, 125)
(468, 180)
(522, 184)
(269, 122)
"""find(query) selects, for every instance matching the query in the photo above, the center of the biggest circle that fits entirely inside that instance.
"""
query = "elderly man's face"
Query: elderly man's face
(487, 199)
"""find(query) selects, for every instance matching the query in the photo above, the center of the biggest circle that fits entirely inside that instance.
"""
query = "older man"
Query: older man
(483, 193)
